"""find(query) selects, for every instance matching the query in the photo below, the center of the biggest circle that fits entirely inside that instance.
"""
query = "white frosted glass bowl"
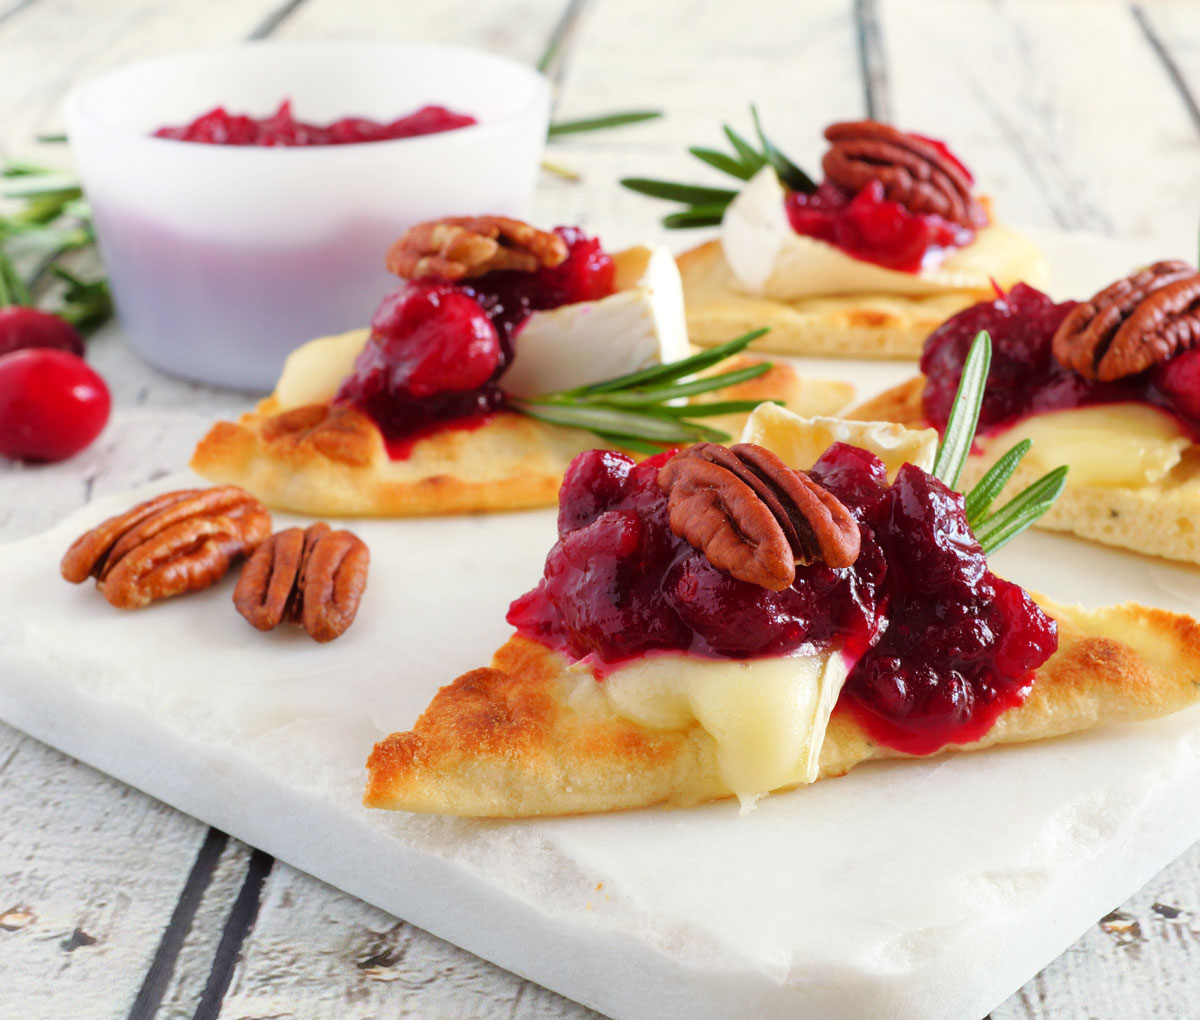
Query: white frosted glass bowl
(222, 259)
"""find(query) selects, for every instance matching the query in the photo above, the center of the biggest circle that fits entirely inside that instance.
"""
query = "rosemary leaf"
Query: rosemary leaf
(712, 407)
(964, 415)
(1021, 511)
(607, 120)
(23, 185)
(724, 162)
(626, 424)
(692, 194)
(981, 497)
(629, 443)
(788, 172)
(749, 154)
(697, 216)
(673, 370)
(659, 394)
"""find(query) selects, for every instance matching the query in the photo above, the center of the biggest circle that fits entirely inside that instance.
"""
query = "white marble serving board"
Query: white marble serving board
(910, 890)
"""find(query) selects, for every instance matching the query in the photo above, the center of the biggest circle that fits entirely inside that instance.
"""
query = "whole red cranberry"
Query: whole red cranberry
(52, 405)
(434, 338)
(22, 327)
(1179, 381)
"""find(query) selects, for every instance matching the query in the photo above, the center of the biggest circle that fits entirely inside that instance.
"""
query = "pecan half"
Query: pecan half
(314, 577)
(753, 516)
(913, 171)
(465, 246)
(335, 431)
(1132, 324)
(175, 543)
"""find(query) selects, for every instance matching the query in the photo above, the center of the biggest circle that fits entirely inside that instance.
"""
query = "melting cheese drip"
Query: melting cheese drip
(767, 716)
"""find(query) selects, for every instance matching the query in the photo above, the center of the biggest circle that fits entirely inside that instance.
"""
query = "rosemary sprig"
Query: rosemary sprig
(642, 411)
(992, 530)
(705, 206)
(600, 123)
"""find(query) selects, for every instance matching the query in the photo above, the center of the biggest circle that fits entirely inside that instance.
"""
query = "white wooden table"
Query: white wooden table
(1080, 114)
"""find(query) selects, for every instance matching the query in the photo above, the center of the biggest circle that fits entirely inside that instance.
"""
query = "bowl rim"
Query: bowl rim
(76, 110)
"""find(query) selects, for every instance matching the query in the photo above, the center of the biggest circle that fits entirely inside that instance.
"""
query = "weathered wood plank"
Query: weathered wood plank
(316, 952)
(87, 866)
(1063, 110)
(516, 28)
(52, 45)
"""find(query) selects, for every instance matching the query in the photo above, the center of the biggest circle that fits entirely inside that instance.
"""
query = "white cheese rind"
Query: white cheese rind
(768, 716)
(798, 441)
(770, 259)
(642, 324)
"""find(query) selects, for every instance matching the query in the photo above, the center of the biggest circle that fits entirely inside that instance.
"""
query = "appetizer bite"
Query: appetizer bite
(1109, 386)
(505, 353)
(733, 621)
(892, 240)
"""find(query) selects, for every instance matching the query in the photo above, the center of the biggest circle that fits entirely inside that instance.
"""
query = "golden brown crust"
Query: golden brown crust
(331, 462)
(1157, 519)
(528, 736)
(852, 325)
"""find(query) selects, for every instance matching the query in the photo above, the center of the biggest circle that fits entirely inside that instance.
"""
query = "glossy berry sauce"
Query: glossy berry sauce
(1025, 378)
(220, 127)
(437, 349)
(869, 227)
(943, 645)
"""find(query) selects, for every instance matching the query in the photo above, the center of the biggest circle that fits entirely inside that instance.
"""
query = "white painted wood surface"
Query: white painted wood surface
(1074, 113)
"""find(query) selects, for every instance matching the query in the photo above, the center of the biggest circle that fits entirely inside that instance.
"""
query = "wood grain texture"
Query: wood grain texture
(1062, 106)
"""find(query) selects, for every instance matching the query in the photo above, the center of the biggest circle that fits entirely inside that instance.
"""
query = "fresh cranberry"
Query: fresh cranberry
(52, 405)
(219, 127)
(1178, 379)
(869, 227)
(22, 327)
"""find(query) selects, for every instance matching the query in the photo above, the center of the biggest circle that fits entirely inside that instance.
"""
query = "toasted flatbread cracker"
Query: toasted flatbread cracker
(845, 326)
(329, 461)
(510, 740)
(1160, 518)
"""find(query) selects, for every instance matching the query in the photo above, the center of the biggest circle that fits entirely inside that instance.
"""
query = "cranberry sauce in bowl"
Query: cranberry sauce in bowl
(943, 646)
(438, 350)
(1026, 379)
(281, 128)
(224, 258)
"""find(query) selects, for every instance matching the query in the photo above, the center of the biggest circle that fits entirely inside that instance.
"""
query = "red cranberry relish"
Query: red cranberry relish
(944, 645)
(869, 227)
(437, 350)
(1026, 379)
(219, 127)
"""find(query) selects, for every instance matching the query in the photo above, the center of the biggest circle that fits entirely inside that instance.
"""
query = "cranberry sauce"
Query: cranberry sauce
(437, 349)
(1026, 379)
(944, 645)
(869, 227)
(219, 127)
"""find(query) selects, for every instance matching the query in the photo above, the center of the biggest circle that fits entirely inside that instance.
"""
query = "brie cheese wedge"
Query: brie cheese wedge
(641, 324)
(768, 716)
(1128, 445)
(770, 259)
(798, 441)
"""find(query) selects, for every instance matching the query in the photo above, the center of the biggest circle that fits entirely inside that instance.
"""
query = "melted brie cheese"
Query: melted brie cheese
(639, 325)
(769, 258)
(767, 716)
(798, 441)
(1110, 444)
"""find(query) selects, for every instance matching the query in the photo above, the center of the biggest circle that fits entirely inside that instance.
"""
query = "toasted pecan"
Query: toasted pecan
(753, 516)
(178, 542)
(314, 577)
(913, 171)
(1133, 324)
(335, 431)
(466, 246)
